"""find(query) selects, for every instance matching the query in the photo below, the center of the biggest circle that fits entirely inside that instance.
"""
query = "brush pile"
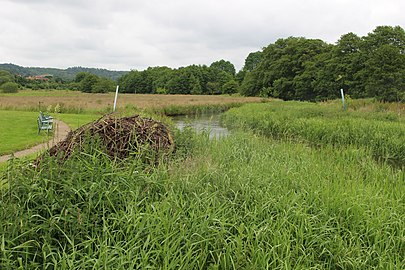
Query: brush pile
(120, 137)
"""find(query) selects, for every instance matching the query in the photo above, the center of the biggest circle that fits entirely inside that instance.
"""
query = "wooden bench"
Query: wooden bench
(45, 122)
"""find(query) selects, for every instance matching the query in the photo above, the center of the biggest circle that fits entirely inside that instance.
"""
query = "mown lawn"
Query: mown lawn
(19, 130)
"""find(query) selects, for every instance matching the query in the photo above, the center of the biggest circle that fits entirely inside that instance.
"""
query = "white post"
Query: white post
(115, 99)
(343, 98)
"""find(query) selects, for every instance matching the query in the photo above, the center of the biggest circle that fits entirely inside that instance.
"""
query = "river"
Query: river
(203, 122)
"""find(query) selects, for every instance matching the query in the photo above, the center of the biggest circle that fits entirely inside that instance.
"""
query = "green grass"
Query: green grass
(323, 124)
(19, 130)
(42, 93)
(173, 110)
(316, 199)
(243, 202)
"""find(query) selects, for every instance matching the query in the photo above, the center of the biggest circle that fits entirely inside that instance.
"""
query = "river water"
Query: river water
(206, 122)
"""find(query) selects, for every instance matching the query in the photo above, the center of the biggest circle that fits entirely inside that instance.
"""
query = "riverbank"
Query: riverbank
(246, 201)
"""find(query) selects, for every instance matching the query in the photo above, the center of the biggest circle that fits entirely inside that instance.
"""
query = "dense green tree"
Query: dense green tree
(182, 82)
(384, 63)
(80, 76)
(346, 61)
(308, 69)
(213, 88)
(223, 65)
(195, 85)
(281, 72)
(385, 74)
(87, 83)
(159, 76)
(5, 76)
(385, 35)
(128, 81)
(192, 79)
(253, 60)
(230, 87)
(103, 85)
(248, 86)
(9, 87)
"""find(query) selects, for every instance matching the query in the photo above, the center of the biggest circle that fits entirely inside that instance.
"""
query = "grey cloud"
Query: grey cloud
(125, 34)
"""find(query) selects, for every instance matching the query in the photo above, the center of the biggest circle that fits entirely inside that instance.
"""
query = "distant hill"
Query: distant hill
(66, 74)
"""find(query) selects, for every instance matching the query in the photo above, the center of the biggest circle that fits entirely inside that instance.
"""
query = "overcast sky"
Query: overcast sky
(134, 34)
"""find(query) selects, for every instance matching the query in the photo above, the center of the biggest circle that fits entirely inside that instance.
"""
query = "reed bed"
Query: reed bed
(242, 202)
(383, 133)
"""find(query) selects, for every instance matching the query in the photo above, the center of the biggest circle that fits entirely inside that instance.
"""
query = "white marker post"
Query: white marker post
(343, 99)
(115, 99)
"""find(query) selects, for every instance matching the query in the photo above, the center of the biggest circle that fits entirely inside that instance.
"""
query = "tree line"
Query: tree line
(293, 68)
(218, 78)
(297, 68)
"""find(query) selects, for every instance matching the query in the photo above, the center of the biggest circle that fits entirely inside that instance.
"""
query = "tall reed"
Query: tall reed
(322, 125)
(243, 202)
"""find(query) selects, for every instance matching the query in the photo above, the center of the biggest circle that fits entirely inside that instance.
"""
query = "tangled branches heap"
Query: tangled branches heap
(118, 136)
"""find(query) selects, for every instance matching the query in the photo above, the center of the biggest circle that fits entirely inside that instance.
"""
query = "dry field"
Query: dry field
(73, 100)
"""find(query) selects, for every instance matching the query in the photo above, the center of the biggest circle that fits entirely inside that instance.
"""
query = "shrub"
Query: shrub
(9, 87)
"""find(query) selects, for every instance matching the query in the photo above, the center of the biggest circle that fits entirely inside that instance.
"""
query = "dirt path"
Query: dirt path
(61, 130)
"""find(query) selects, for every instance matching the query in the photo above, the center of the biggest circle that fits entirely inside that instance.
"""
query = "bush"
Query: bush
(230, 87)
(103, 85)
(9, 87)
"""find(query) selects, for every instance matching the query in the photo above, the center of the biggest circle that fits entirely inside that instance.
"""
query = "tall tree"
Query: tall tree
(281, 71)
(223, 65)
(5, 76)
(86, 84)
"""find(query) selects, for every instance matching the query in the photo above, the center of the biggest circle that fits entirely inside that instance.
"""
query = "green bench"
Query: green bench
(45, 122)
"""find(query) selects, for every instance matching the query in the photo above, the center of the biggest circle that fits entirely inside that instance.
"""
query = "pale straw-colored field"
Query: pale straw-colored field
(73, 100)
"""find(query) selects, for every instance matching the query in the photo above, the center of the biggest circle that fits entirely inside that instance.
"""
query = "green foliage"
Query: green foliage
(9, 87)
(223, 65)
(282, 71)
(185, 80)
(87, 82)
(230, 87)
(103, 85)
(385, 74)
(320, 125)
(306, 69)
(5, 76)
(80, 76)
(252, 61)
(160, 90)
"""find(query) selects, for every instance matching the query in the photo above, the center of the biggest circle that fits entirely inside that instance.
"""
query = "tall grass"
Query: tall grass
(319, 124)
(173, 110)
(243, 202)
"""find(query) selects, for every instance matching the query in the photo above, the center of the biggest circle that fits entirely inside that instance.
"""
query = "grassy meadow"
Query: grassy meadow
(295, 186)
(78, 102)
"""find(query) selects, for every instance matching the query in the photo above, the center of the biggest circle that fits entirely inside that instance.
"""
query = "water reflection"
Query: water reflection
(210, 123)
